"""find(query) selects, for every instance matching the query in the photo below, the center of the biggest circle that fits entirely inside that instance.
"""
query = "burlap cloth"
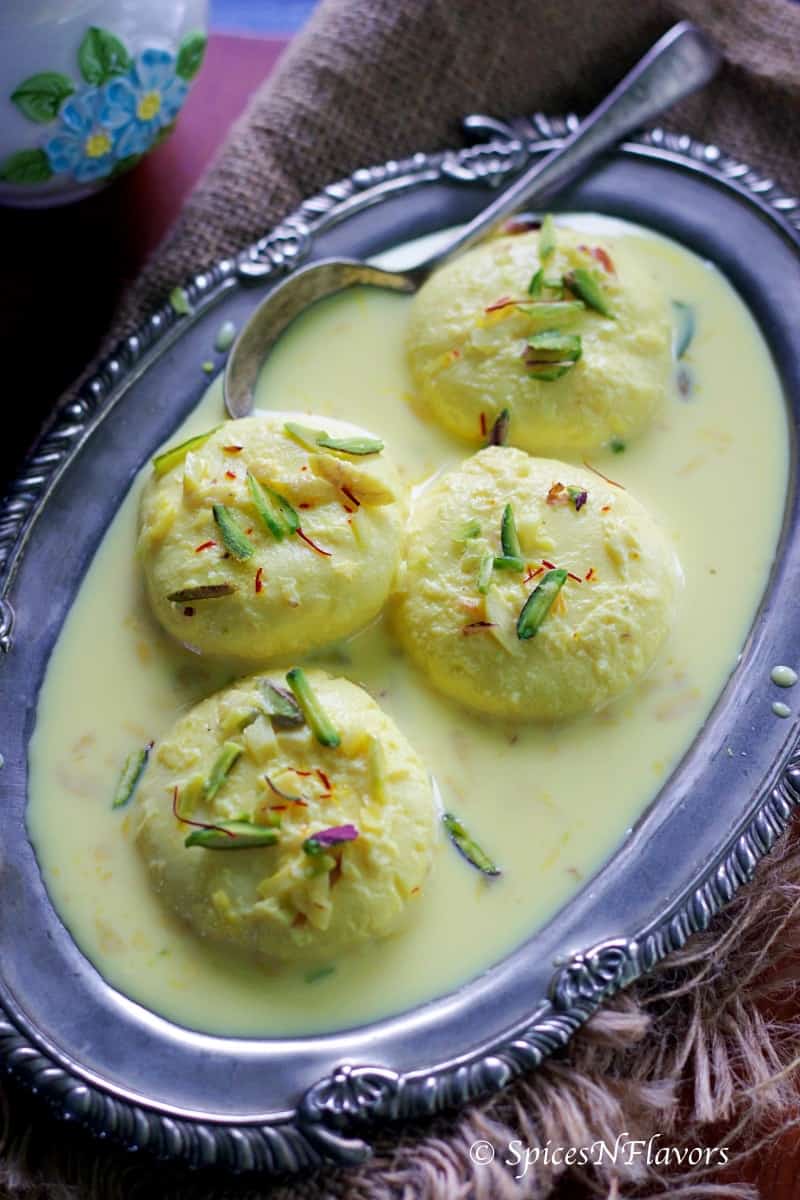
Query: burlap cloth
(699, 1052)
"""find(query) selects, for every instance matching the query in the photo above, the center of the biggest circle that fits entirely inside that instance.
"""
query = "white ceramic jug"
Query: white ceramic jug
(87, 87)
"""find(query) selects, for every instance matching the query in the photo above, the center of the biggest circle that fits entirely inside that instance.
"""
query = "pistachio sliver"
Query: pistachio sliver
(224, 762)
(547, 237)
(684, 328)
(553, 310)
(247, 719)
(485, 572)
(541, 365)
(320, 723)
(498, 435)
(359, 446)
(314, 439)
(204, 591)
(509, 538)
(269, 513)
(280, 706)
(234, 538)
(162, 463)
(467, 846)
(584, 284)
(288, 512)
(508, 562)
(233, 835)
(553, 346)
(537, 283)
(179, 302)
(539, 603)
(131, 773)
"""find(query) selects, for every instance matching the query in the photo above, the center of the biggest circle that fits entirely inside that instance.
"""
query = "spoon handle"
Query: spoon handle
(682, 61)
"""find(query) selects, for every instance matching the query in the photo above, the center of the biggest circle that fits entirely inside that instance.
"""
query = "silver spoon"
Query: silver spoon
(682, 61)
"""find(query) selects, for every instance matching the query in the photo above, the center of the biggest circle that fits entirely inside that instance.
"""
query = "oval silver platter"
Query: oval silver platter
(293, 1104)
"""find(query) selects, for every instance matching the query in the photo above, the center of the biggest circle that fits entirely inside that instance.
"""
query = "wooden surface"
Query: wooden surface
(64, 269)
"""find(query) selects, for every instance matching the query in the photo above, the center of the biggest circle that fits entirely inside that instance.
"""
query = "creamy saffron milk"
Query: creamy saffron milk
(548, 803)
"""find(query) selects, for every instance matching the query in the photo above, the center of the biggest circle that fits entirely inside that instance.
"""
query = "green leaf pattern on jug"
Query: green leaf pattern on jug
(121, 107)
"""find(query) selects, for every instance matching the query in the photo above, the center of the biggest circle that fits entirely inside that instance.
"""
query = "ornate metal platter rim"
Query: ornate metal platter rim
(317, 1130)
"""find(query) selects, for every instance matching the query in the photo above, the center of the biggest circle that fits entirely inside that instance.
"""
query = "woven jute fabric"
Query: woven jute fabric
(701, 1053)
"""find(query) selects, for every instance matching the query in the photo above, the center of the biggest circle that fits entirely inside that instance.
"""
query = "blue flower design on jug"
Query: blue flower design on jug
(141, 104)
(85, 146)
(125, 105)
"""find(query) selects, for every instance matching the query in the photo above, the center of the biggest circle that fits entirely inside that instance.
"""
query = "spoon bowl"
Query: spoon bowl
(284, 303)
